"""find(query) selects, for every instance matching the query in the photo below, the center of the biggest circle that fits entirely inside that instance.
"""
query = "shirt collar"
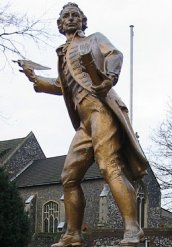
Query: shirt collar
(80, 33)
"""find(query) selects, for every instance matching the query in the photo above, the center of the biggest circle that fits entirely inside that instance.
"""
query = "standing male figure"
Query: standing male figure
(103, 131)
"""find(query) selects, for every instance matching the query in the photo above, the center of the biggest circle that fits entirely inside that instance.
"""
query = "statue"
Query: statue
(88, 68)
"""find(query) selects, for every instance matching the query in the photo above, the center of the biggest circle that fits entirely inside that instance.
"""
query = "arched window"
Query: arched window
(141, 209)
(50, 216)
(141, 203)
(103, 206)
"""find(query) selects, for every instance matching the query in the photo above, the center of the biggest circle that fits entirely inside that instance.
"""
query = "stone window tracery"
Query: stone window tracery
(50, 216)
(141, 204)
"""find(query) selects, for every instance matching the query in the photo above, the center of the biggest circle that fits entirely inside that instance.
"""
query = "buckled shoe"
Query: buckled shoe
(68, 240)
(132, 238)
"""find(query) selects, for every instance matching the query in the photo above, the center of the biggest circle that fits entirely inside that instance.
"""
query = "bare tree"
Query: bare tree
(15, 30)
(161, 157)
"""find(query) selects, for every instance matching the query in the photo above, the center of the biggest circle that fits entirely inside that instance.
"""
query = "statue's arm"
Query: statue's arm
(47, 85)
(43, 84)
(113, 58)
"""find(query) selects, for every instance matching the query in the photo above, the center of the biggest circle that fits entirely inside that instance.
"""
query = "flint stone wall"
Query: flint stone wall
(28, 152)
(103, 238)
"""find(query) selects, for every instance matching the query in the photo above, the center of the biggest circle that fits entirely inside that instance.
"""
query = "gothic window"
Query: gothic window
(141, 208)
(50, 216)
(141, 204)
(103, 206)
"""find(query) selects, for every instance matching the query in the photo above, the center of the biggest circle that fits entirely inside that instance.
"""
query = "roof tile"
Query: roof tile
(48, 171)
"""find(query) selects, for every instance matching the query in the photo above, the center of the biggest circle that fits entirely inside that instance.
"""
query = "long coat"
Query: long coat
(109, 61)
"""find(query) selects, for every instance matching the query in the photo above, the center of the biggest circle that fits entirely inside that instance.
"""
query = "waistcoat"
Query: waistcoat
(75, 66)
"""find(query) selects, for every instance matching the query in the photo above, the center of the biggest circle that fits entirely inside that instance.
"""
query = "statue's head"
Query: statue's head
(68, 8)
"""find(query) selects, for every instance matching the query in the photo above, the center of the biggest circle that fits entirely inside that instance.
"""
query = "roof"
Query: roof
(48, 171)
(166, 213)
(7, 147)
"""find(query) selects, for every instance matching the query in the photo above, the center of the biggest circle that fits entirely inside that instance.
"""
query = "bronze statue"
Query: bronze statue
(88, 68)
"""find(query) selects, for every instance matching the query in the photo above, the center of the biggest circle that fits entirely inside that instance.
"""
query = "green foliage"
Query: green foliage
(14, 222)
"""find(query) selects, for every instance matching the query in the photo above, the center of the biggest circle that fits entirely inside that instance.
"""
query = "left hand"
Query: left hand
(102, 89)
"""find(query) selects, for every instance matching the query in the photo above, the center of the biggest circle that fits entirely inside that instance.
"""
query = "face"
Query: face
(71, 20)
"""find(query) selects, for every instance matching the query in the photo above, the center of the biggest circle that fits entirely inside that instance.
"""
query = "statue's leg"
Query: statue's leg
(125, 197)
(107, 139)
(78, 160)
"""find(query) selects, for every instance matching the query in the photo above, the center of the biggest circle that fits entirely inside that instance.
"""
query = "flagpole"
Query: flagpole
(131, 73)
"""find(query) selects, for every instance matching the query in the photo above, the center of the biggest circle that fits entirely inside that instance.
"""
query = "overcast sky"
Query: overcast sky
(22, 110)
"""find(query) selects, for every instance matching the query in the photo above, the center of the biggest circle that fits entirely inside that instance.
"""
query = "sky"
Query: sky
(23, 110)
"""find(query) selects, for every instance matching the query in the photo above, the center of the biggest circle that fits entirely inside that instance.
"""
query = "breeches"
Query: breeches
(98, 138)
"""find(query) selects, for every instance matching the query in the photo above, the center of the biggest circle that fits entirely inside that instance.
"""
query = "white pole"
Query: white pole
(131, 73)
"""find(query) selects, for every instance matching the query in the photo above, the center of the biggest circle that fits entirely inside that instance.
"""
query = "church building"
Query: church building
(38, 180)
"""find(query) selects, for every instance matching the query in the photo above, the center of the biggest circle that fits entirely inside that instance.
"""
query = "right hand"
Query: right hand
(102, 89)
(29, 73)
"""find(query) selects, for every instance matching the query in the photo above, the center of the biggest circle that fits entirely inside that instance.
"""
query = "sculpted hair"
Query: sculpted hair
(84, 18)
